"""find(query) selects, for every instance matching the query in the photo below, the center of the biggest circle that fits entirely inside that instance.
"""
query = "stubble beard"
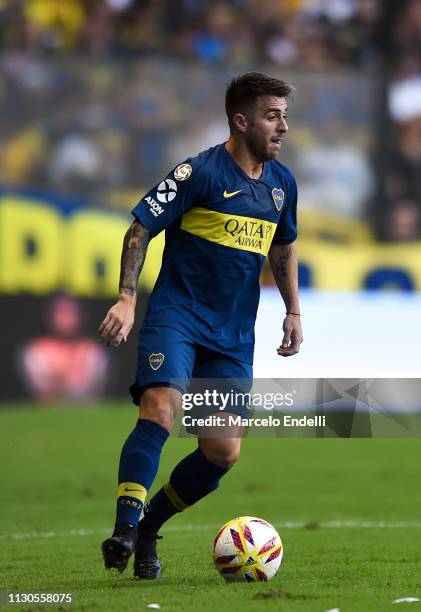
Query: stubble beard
(260, 153)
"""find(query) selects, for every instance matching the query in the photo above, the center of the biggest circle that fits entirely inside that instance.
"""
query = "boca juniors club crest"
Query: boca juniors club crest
(278, 198)
(156, 360)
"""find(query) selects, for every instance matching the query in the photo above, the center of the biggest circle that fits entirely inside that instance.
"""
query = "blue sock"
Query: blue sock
(193, 478)
(139, 463)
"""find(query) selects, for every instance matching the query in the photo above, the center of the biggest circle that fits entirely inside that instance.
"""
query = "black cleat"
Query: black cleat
(146, 565)
(118, 549)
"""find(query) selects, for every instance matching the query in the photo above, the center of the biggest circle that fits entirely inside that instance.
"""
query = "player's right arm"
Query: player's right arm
(157, 210)
(120, 318)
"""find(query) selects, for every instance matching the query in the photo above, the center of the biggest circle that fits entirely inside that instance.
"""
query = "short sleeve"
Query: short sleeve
(166, 202)
(286, 230)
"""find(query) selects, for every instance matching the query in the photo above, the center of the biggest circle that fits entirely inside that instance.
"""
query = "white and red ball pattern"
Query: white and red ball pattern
(247, 549)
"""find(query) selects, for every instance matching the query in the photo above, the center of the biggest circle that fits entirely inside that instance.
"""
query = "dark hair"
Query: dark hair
(243, 91)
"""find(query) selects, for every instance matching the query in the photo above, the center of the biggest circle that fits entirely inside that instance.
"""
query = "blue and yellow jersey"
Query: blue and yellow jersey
(219, 226)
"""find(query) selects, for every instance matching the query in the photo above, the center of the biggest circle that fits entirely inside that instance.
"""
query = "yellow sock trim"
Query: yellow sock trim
(132, 489)
(172, 495)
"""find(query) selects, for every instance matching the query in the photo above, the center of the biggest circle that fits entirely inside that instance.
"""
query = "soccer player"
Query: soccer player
(223, 211)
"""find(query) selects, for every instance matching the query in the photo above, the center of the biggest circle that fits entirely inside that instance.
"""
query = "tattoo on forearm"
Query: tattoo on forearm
(135, 246)
(281, 265)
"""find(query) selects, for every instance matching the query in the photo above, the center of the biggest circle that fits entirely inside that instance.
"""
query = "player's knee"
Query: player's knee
(162, 416)
(223, 455)
(160, 406)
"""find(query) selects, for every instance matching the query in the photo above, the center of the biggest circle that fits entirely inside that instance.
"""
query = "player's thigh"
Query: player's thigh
(232, 380)
(227, 380)
(164, 367)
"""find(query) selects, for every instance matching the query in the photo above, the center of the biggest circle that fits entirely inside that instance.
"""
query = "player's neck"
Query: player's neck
(244, 158)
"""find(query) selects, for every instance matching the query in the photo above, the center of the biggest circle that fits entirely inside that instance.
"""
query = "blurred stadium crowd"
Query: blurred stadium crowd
(401, 185)
(311, 32)
(103, 96)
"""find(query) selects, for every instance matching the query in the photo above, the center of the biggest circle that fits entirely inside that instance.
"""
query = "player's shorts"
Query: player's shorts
(168, 358)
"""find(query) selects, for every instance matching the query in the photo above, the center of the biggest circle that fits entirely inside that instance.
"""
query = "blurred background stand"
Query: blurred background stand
(64, 366)
(101, 98)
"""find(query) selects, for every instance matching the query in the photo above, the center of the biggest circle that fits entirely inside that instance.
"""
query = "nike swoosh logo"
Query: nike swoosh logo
(138, 490)
(233, 193)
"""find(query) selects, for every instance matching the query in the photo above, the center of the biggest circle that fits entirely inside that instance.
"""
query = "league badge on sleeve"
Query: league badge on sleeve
(278, 196)
(183, 172)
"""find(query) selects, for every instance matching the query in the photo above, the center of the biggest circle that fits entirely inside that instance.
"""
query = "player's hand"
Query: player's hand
(119, 321)
(293, 336)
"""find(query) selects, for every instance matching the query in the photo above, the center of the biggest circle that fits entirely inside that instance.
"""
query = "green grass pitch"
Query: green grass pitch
(348, 512)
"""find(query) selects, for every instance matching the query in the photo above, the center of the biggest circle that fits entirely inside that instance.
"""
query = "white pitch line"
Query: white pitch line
(206, 527)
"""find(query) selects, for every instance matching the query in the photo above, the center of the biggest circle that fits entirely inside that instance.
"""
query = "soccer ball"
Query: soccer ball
(247, 549)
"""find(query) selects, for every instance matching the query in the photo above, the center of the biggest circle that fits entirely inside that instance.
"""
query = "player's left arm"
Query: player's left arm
(284, 263)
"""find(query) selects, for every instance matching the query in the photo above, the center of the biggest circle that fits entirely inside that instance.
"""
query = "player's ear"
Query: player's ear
(240, 122)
